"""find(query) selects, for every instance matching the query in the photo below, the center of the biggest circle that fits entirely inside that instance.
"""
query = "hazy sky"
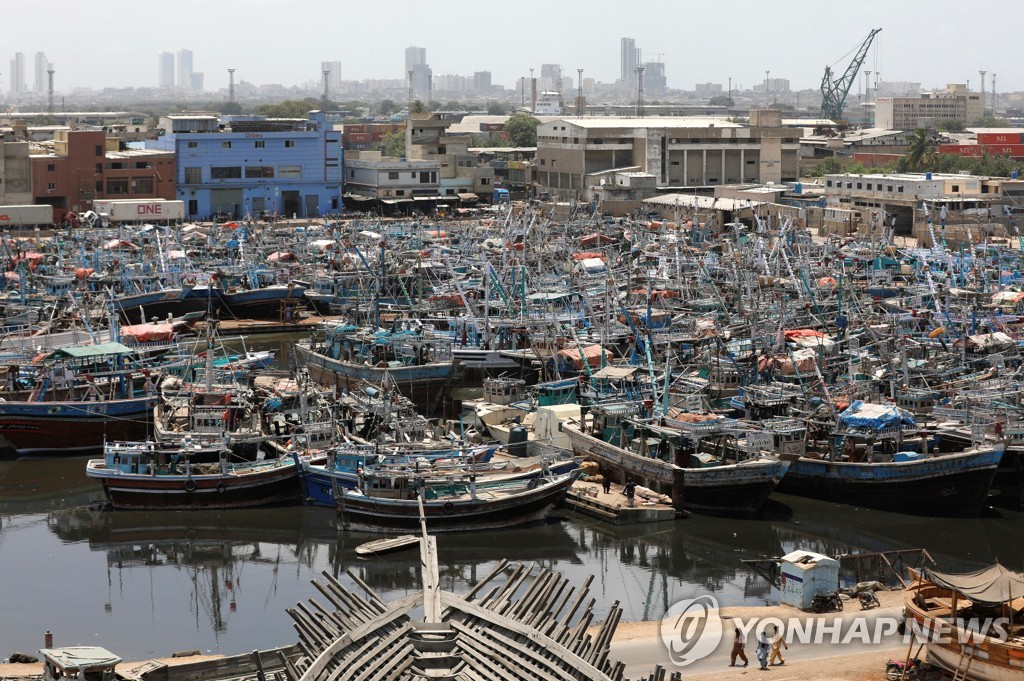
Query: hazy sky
(100, 43)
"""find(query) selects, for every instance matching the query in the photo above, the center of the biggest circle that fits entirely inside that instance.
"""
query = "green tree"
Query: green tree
(990, 122)
(452, 106)
(386, 107)
(231, 108)
(290, 108)
(393, 144)
(433, 105)
(419, 107)
(721, 100)
(498, 108)
(522, 130)
(950, 125)
(921, 152)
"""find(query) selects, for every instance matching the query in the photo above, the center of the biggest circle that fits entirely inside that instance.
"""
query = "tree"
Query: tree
(498, 108)
(393, 144)
(990, 122)
(950, 125)
(419, 107)
(386, 107)
(522, 130)
(290, 108)
(452, 106)
(231, 108)
(721, 100)
(921, 152)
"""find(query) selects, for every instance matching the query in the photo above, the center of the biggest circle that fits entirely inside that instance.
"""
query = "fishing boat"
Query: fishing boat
(144, 475)
(970, 623)
(391, 505)
(665, 455)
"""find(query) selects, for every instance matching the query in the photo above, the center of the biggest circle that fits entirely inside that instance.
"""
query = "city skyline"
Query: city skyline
(910, 47)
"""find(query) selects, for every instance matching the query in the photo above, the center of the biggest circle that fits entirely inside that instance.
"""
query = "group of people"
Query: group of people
(769, 648)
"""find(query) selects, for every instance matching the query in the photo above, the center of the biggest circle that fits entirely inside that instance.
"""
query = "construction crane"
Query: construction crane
(834, 91)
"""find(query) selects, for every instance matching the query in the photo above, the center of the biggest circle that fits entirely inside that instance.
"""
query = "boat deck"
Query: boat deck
(588, 498)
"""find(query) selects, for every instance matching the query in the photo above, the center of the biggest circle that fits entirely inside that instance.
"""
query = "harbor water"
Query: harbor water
(148, 584)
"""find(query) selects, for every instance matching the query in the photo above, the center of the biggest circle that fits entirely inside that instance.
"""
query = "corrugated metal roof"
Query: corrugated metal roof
(702, 202)
(80, 351)
(652, 122)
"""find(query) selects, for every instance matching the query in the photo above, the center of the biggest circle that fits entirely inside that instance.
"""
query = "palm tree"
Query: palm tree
(418, 107)
(921, 152)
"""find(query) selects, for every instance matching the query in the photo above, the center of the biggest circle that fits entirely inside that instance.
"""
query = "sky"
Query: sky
(103, 43)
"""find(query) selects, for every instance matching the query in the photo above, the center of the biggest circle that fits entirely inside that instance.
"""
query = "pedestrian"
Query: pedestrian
(764, 645)
(738, 644)
(606, 483)
(630, 490)
(778, 643)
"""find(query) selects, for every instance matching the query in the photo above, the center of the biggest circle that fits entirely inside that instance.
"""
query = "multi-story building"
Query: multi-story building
(482, 81)
(185, 68)
(427, 139)
(417, 69)
(42, 65)
(333, 69)
(629, 59)
(897, 88)
(251, 164)
(79, 166)
(392, 181)
(572, 154)
(165, 73)
(655, 82)
(17, 74)
(366, 136)
(954, 103)
(15, 173)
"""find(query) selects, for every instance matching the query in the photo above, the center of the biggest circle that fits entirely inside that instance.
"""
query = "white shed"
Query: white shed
(805, 574)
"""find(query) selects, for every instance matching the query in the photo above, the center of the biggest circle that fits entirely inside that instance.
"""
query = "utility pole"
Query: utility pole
(767, 88)
(982, 91)
(49, 74)
(327, 75)
(231, 86)
(867, 95)
(730, 92)
(410, 94)
(995, 98)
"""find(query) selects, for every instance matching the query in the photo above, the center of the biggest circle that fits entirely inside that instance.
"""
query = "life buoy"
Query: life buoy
(448, 508)
(533, 484)
(190, 485)
(221, 486)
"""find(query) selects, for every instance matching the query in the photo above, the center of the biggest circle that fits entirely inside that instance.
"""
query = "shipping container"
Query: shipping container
(23, 216)
(354, 128)
(1014, 150)
(961, 149)
(140, 210)
(999, 138)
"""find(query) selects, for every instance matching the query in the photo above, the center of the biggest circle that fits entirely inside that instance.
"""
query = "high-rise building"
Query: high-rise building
(654, 78)
(42, 66)
(482, 81)
(416, 63)
(333, 69)
(549, 76)
(629, 59)
(165, 77)
(18, 73)
(185, 68)
(195, 81)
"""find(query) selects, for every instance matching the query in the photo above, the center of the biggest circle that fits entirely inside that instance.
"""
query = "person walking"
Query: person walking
(738, 644)
(606, 483)
(764, 645)
(778, 643)
(630, 490)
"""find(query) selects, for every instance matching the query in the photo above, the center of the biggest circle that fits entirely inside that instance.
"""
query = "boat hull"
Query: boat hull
(947, 485)
(69, 428)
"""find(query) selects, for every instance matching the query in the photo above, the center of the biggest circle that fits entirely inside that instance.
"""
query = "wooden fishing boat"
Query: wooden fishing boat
(387, 545)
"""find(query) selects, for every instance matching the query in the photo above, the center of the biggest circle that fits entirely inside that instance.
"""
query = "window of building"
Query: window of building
(258, 172)
(289, 171)
(117, 186)
(485, 181)
(193, 175)
(226, 173)
(575, 140)
(143, 185)
(99, 168)
(116, 166)
(141, 165)
(828, 183)
(193, 145)
(99, 186)
(955, 188)
(543, 162)
(433, 176)
(288, 144)
(193, 207)
(50, 186)
(225, 145)
(99, 149)
(849, 185)
(899, 189)
(393, 175)
(859, 187)
(351, 173)
(399, 192)
(424, 177)
(51, 167)
(889, 188)
(260, 144)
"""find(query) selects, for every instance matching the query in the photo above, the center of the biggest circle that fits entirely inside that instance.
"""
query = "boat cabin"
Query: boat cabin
(81, 663)
(504, 390)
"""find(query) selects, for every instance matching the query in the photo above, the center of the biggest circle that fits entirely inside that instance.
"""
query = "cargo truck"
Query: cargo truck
(25, 216)
(139, 210)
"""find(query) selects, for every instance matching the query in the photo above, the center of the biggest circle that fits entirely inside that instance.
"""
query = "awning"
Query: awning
(428, 198)
(392, 201)
(98, 350)
(613, 372)
(991, 586)
(360, 197)
(467, 196)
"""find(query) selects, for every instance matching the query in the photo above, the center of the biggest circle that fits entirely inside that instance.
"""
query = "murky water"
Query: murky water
(147, 584)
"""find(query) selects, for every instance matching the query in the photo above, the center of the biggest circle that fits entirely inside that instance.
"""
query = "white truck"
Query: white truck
(25, 216)
(139, 210)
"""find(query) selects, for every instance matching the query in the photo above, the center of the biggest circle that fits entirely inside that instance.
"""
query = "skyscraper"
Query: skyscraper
(629, 59)
(334, 75)
(165, 78)
(416, 63)
(185, 68)
(482, 81)
(18, 73)
(42, 65)
(549, 76)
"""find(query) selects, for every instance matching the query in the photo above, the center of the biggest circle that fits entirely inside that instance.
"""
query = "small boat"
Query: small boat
(387, 545)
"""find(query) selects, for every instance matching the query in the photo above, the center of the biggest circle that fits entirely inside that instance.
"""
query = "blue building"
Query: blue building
(250, 165)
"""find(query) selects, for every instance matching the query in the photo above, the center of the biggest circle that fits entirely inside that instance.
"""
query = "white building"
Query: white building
(165, 70)
(185, 69)
(42, 65)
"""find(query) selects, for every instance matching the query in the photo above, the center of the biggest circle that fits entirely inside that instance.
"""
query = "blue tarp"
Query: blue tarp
(875, 416)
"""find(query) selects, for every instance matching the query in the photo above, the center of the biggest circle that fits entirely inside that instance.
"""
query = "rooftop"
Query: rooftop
(701, 202)
(653, 122)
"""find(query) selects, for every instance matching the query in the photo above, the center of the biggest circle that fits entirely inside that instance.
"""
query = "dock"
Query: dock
(233, 327)
(589, 498)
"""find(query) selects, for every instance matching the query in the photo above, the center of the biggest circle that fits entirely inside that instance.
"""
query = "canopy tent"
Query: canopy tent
(875, 417)
(989, 586)
(574, 356)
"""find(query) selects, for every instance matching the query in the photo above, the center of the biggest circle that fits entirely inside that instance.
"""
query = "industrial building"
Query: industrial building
(574, 156)
(15, 173)
(249, 165)
(80, 166)
(394, 182)
(955, 103)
